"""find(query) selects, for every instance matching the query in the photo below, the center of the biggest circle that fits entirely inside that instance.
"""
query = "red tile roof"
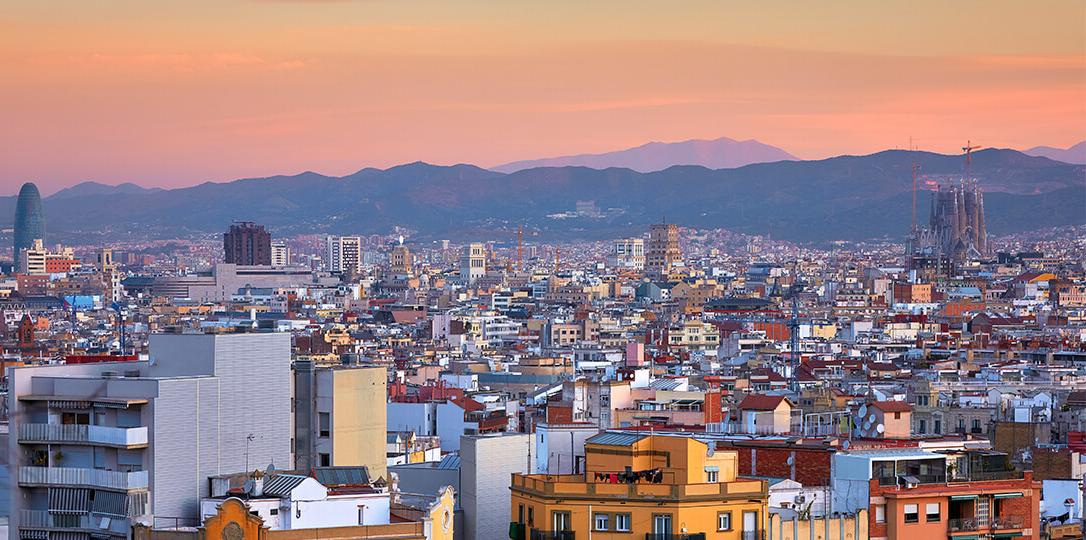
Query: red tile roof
(892, 406)
(758, 402)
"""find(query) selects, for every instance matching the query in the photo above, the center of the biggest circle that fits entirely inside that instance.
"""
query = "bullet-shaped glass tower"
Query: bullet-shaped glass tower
(29, 221)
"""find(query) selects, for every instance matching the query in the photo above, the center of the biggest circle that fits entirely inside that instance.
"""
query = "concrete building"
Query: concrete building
(343, 253)
(486, 463)
(247, 243)
(472, 262)
(224, 280)
(638, 485)
(627, 253)
(662, 251)
(339, 417)
(401, 261)
(96, 446)
(280, 254)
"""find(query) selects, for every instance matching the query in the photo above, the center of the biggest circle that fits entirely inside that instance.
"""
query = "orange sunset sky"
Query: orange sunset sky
(177, 93)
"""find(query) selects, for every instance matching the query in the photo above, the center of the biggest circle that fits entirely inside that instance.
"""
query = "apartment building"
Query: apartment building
(638, 485)
(94, 447)
(344, 253)
(340, 417)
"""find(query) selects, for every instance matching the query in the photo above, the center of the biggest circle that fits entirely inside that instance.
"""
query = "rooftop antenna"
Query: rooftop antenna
(916, 168)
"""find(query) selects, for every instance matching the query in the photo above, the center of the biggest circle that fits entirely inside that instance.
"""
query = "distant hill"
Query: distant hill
(97, 188)
(846, 197)
(722, 153)
(1075, 154)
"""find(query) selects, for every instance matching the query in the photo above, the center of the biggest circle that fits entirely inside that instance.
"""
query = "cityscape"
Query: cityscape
(536, 312)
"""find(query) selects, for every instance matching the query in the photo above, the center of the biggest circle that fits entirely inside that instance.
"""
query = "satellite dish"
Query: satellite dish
(711, 450)
(270, 470)
(845, 444)
(871, 417)
(791, 460)
(880, 428)
(249, 486)
(863, 410)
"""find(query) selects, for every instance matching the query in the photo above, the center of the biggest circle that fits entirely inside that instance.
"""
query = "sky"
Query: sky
(173, 94)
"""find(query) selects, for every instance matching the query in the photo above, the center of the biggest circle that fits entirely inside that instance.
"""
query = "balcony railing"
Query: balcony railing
(921, 478)
(83, 434)
(42, 519)
(1008, 521)
(73, 476)
(673, 536)
(962, 524)
(568, 485)
(552, 535)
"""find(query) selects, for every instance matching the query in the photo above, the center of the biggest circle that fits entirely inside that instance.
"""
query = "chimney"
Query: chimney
(258, 483)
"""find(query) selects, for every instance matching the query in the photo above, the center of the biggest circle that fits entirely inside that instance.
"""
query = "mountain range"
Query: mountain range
(1074, 154)
(845, 197)
(722, 153)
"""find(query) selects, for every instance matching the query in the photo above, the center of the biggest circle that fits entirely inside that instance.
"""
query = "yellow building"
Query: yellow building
(638, 485)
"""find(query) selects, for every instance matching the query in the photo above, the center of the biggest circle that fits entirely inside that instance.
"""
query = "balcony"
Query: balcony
(96, 523)
(552, 535)
(1008, 521)
(962, 525)
(83, 434)
(570, 485)
(72, 476)
(672, 536)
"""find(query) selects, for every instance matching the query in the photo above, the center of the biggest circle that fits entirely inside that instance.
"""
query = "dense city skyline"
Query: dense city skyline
(171, 95)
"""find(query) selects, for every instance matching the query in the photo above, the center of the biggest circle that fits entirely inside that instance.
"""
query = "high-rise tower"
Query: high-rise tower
(247, 243)
(29, 220)
(662, 250)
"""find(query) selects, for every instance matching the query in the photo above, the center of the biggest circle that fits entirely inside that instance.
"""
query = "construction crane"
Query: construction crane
(968, 149)
(916, 168)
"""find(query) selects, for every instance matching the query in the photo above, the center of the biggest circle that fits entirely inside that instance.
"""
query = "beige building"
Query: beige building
(662, 251)
(340, 417)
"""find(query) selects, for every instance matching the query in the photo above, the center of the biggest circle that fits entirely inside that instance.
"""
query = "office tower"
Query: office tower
(96, 446)
(473, 262)
(662, 250)
(344, 253)
(280, 254)
(627, 253)
(248, 244)
(340, 417)
(29, 221)
(401, 260)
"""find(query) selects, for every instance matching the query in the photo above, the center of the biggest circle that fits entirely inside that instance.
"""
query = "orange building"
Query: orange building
(637, 485)
(996, 506)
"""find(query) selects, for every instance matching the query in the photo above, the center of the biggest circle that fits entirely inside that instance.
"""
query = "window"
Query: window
(622, 522)
(923, 428)
(976, 425)
(361, 514)
(274, 512)
(897, 416)
(931, 512)
(938, 426)
(602, 521)
(561, 521)
(712, 476)
(880, 513)
(912, 513)
(661, 524)
(324, 420)
(531, 515)
(520, 514)
(325, 459)
(724, 521)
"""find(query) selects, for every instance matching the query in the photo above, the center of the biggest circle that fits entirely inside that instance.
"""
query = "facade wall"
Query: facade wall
(359, 418)
(487, 463)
